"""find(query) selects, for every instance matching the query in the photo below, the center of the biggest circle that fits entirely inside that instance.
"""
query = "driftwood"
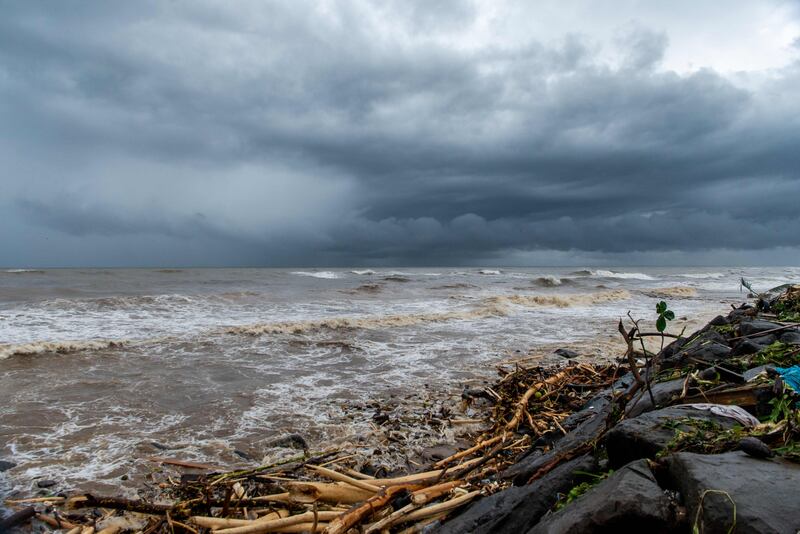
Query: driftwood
(17, 518)
(343, 523)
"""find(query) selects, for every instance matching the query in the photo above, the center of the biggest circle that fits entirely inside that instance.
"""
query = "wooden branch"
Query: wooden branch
(426, 495)
(334, 475)
(16, 518)
(337, 492)
(260, 526)
(523, 402)
(446, 506)
(343, 523)
(471, 450)
(118, 503)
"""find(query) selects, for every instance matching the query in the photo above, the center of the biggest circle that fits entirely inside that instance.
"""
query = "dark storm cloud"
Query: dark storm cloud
(368, 132)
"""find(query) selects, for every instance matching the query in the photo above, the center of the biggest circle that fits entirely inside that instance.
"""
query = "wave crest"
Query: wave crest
(58, 347)
(328, 275)
(671, 292)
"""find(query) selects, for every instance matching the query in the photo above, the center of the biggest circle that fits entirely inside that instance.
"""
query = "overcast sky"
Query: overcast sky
(399, 132)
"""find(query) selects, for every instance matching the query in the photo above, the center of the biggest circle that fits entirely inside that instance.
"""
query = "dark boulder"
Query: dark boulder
(46, 483)
(756, 326)
(566, 353)
(790, 337)
(5, 465)
(630, 500)
(517, 509)
(708, 345)
(647, 434)
(663, 393)
(755, 447)
(751, 346)
(719, 320)
(764, 492)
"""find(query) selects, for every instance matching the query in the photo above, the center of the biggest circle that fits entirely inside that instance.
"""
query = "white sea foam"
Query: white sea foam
(602, 273)
(24, 271)
(329, 275)
(363, 271)
(59, 347)
(549, 281)
(702, 276)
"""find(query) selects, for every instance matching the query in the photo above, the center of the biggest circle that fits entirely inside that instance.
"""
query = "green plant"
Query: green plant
(581, 488)
(664, 315)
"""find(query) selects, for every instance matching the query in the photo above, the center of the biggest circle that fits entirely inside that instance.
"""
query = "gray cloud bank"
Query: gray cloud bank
(349, 133)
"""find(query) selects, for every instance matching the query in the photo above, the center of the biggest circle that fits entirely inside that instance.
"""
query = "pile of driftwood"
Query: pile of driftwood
(324, 493)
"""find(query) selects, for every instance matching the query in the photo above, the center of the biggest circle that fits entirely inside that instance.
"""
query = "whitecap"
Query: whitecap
(329, 275)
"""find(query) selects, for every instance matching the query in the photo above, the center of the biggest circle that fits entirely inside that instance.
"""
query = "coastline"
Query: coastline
(568, 437)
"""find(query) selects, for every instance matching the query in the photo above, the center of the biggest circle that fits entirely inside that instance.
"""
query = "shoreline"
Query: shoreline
(520, 449)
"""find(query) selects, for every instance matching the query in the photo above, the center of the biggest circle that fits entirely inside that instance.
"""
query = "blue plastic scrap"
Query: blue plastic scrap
(790, 376)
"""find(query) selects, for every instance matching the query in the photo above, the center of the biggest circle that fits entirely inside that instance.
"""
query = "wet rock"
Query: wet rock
(630, 500)
(790, 337)
(647, 434)
(438, 452)
(708, 345)
(663, 393)
(751, 346)
(594, 420)
(517, 509)
(46, 483)
(566, 353)
(756, 326)
(6, 465)
(755, 447)
(294, 441)
(765, 491)
(719, 320)
(243, 455)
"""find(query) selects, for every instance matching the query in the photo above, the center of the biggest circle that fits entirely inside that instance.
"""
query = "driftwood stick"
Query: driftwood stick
(446, 506)
(426, 495)
(259, 526)
(342, 524)
(476, 448)
(523, 402)
(334, 475)
(16, 518)
(118, 503)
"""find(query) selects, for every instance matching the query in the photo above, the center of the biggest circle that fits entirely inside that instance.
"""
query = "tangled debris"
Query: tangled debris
(572, 437)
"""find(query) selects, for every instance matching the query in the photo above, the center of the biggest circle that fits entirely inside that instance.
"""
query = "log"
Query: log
(426, 495)
(344, 522)
(118, 503)
(260, 526)
(16, 518)
(182, 463)
(337, 492)
(446, 506)
(51, 500)
(55, 522)
(476, 448)
(334, 475)
(221, 522)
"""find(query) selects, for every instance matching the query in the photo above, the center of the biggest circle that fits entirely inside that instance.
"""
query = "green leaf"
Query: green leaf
(669, 315)
(661, 307)
(661, 323)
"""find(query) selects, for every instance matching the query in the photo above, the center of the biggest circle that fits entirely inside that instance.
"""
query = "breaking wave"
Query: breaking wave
(499, 306)
(58, 347)
(549, 281)
(363, 271)
(24, 271)
(701, 276)
(329, 275)
(489, 271)
(671, 292)
(600, 273)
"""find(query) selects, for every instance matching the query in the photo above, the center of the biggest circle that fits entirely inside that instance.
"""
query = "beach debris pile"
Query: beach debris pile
(701, 436)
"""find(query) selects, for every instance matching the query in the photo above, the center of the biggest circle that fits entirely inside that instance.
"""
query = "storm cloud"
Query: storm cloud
(358, 132)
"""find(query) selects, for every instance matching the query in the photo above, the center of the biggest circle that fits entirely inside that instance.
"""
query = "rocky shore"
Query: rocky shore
(702, 435)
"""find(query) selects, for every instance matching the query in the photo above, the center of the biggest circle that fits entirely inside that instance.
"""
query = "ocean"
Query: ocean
(101, 368)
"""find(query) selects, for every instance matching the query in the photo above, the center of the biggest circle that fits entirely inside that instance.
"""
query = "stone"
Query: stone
(566, 353)
(6, 465)
(755, 447)
(630, 500)
(708, 345)
(46, 483)
(765, 491)
(751, 346)
(517, 509)
(644, 436)
(663, 393)
(437, 452)
(790, 337)
(756, 326)
(719, 320)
